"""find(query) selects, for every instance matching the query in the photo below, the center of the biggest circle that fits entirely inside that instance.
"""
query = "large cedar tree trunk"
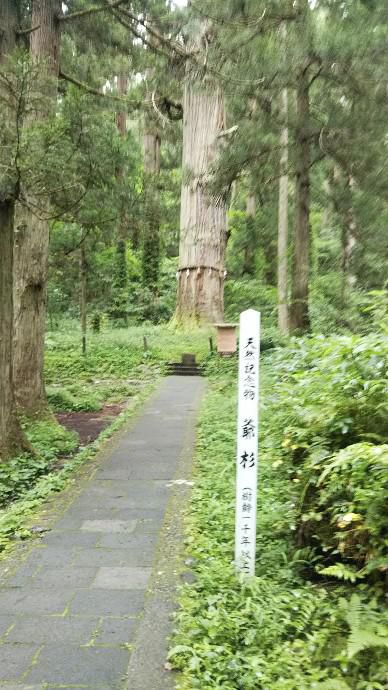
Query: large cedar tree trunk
(11, 437)
(151, 226)
(203, 226)
(32, 239)
(299, 316)
(283, 222)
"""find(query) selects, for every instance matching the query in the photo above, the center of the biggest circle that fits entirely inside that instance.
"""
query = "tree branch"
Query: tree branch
(172, 45)
(86, 87)
(26, 32)
(165, 102)
(90, 10)
(130, 26)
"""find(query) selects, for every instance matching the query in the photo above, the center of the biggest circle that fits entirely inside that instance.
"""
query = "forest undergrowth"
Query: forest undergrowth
(315, 615)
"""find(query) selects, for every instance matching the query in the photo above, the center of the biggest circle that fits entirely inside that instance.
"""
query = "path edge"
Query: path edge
(147, 666)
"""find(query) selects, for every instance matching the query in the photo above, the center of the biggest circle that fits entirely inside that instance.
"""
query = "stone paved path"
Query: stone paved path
(90, 605)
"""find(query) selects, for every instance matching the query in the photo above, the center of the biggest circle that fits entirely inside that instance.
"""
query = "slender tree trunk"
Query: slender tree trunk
(349, 242)
(12, 439)
(203, 219)
(249, 250)
(151, 228)
(121, 117)
(299, 317)
(121, 122)
(32, 239)
(283, 222)
(83, 297)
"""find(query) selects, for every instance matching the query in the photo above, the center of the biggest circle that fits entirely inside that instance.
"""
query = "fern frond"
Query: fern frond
(364, 639)
(335, 684)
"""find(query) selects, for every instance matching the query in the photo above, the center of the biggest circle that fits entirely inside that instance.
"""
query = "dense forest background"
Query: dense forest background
(326, 154)
(300, 164)
(179, 164)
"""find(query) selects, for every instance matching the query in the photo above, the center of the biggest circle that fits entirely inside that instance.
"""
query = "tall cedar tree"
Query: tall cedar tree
(203, 225)
(11, 437)
(32, 234)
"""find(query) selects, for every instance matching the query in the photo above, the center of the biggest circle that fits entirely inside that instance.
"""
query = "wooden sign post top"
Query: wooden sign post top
(226, 338)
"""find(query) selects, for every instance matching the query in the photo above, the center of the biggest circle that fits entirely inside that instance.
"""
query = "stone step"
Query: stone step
(179, 369)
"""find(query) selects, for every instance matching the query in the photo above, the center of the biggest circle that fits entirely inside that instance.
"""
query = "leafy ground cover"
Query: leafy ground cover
(314, 617)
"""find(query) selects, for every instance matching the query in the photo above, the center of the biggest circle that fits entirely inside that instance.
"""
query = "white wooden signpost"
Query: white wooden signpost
(247, 441)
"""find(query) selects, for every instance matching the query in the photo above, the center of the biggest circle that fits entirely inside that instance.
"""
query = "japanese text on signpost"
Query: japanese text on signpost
(247, 441)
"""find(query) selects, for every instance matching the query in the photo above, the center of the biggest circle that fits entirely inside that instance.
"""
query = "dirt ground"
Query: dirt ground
(89, 424)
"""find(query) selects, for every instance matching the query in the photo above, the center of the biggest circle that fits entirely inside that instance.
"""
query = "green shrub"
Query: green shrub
(50, 441)
(73, 399)
(328, 403)
(352, 500)
(314, 616)
(250, 294)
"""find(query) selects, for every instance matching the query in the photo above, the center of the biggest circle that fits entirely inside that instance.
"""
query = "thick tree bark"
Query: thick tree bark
(12, 440)
(299, 316)
(203, 219)
(283, 222)
(11, 437)
(9, 25)
(151, 226)
(32, 239)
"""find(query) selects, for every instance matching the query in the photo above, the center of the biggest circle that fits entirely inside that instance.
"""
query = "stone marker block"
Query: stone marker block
(188, 360)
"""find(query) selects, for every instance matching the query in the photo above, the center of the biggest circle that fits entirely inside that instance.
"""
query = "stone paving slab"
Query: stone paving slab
(25, 601)
(64, 578)
(5, 622)
(141, 542)
(15, 660)
(122, 578)
(116, 631)
(113, 557)
(109, 526)
(72, 538)
(24, 687)
(53, 630)
(80, 665)
(107, 603)
(71, 615)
